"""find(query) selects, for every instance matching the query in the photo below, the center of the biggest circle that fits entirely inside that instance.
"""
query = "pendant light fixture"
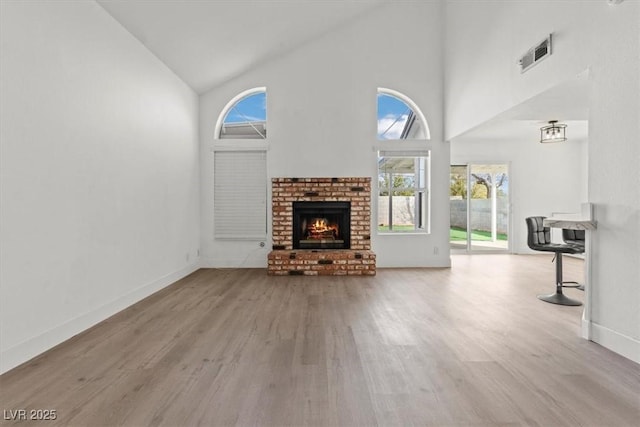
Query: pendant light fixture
(553, 132)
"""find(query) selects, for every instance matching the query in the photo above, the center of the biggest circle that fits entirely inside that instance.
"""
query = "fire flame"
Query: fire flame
(320, 225)
(319, 228)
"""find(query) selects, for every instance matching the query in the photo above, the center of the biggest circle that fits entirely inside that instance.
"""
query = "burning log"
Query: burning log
(320, 229)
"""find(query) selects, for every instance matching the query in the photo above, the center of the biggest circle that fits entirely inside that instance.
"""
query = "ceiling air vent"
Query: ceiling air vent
(535, 54)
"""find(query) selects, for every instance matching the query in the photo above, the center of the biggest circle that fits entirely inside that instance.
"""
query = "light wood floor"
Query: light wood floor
(466, 346)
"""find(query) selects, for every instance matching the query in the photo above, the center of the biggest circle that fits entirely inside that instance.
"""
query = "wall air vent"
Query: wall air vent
(535, 54)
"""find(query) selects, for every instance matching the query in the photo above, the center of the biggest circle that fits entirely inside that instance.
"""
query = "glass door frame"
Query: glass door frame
(469, 247)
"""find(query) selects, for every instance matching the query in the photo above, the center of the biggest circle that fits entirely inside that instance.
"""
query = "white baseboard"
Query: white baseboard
(623, 345)
(34, 346)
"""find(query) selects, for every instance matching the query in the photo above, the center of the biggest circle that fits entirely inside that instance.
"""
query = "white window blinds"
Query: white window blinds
(240, 195)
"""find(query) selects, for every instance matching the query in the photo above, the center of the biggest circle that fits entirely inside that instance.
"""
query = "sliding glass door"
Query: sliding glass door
(479, 204)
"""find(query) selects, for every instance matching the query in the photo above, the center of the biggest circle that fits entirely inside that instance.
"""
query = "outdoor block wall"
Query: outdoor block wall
(480, 214)
(358, 260)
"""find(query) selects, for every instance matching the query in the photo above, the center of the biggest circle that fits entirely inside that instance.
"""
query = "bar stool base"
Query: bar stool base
(559, 299)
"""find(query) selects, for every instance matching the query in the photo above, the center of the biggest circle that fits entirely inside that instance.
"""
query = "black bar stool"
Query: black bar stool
(539, 239)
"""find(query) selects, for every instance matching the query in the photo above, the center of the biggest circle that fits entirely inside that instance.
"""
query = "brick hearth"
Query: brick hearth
(358, 260)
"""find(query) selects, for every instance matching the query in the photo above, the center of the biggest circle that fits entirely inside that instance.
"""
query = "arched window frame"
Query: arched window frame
(239, 182)
(236, 99)
(416, 110)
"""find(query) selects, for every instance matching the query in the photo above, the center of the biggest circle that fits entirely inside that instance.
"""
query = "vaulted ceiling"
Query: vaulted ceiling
(208, 42)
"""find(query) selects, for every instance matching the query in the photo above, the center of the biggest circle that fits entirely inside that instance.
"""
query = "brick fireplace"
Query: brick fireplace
(333, 239)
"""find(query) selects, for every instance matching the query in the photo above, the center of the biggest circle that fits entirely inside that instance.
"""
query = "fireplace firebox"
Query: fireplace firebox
(321, 225)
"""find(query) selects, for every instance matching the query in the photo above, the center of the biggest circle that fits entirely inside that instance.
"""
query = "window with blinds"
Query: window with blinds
(240, 195)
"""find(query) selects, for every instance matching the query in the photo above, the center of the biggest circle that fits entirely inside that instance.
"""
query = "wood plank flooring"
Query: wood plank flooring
(466, 346)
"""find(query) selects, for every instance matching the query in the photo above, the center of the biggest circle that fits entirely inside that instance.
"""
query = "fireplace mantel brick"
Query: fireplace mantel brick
(285, 260)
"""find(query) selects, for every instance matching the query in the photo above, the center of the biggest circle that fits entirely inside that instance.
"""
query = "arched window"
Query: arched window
(244, 117)
(240, 168)
(403, 170)
(399, 117)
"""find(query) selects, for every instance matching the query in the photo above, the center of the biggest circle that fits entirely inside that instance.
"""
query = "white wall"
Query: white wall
(484, 40)
(321, 98)
(543, 178)
(100, 192)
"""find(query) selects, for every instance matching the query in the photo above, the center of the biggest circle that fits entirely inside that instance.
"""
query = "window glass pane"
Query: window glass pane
(247, 118)
(402, 196)
(399, 118)
(403, 213)
(393, 116)
(253, 108)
